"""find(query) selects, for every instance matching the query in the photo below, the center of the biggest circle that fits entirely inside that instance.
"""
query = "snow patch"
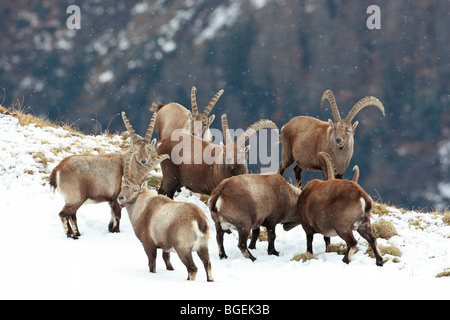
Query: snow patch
(222, 16)
(258, 4)
(106, 76)
(140, 7)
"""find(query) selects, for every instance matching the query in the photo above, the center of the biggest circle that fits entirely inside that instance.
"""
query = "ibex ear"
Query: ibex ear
(330, 122)
(355, 125)
(153, 144)
(247, 148)
(221, 144)
(211, 119)
(190, 115)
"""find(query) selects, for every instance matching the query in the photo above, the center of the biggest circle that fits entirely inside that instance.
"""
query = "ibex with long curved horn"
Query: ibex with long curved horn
(160, 222)
(302, 139)
(82, 179)
(173, 116)
(336, 208)
(199, 165)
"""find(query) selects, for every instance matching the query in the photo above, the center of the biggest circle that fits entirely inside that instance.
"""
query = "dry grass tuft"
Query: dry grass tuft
(445, 273)
(380, 209)
(3, 110)
(25, 117)
(153, 182)
(390, 250)
(446, 217)
(204, 198)
(339, 248)
(262, 234)
(303, 257)
(384, 229)
(41, 158)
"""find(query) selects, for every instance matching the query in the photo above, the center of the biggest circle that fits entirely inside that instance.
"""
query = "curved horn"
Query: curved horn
(261, 124)
(328, 95)
(151, 126)
(143, 172)
(134, 137)
(212, 103)
(227, 136)
(127, 165)
(194, 101)
(330, 167)
(356, 174)
(364, 102)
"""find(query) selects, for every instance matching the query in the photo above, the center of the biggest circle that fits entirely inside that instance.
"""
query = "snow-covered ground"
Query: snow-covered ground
(37, 261)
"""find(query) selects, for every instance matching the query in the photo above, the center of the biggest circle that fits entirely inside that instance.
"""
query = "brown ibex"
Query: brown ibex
(249, 201)
(97, 178)
(303, 137)
(336, 208)
(160, 222)
(173, 116)
(199, 165)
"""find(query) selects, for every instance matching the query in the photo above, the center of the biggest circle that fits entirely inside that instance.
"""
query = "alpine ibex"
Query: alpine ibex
(160, 222)
(173, 116)
(249, 201)
(302, 139)
(82, 179)
(199, 165)
(336, 208)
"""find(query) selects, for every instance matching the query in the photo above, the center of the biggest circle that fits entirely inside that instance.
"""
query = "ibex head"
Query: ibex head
(236, 153)
(342, 130)
(143, 147)
(204, 117)
(130, 189)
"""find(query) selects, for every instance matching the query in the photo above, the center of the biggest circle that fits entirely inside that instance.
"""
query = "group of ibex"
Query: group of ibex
(239, 200)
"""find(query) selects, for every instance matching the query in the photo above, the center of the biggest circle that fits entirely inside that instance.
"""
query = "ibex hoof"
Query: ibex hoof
(274, 252)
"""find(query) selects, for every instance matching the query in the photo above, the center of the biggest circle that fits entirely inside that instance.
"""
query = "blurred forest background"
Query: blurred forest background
(273, 58)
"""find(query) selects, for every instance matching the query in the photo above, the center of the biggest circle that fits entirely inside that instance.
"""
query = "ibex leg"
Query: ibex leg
(255, 235)
(243, 237)
(73, 222)
(186, 258)
(298, 175)
(204, 256)
(116, 213)
(271, 238)
(219, 238)
(351, 244)
(66, 215)
(370, 237)
(150, 250)
(166, 257)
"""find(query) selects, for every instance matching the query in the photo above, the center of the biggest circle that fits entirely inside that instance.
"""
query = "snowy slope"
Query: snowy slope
(39, 262)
